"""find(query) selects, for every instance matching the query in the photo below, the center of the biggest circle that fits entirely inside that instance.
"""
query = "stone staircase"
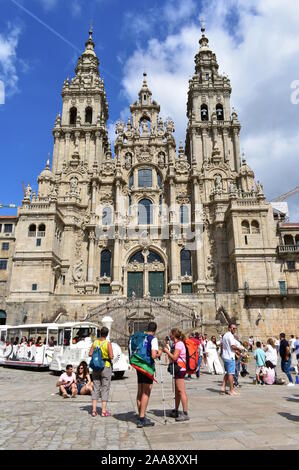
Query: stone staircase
(133, 314)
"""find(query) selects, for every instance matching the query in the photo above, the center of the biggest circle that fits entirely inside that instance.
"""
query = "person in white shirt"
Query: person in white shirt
(214, 365)
(294, 362)
(67, 383)
(271, 353)
(229, 348)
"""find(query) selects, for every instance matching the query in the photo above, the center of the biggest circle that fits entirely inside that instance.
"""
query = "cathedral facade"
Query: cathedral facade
(156, 220)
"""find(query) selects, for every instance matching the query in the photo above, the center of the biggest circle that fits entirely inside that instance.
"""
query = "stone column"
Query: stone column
(236, 149)
(93, 196)
(97, 154)
(56, 152)
(200, 256)
(204, 143)
(145, 281)
(67, 146)
(87, 147)
(115, 285)
(77, 135)
(91, 250)
(174, 283)
(195, 147)
(60, 153)
(225, 149)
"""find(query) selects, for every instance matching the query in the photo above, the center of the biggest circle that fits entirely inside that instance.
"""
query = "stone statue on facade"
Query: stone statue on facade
(78, 271)
(128, 161)
(28, 192)
(218, 183)
(161, 160)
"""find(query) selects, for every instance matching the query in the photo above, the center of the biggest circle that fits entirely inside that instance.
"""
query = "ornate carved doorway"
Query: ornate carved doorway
(145, 275)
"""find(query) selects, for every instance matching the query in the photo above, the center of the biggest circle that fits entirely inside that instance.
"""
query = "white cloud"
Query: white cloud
(8, 60)
(48, 4)
(76, 8)
(259, 51)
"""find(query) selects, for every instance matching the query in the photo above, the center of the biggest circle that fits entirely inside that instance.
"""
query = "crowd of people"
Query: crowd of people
(23, 349)
(235, 355)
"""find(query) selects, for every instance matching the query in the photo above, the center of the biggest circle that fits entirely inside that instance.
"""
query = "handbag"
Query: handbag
(173, 368)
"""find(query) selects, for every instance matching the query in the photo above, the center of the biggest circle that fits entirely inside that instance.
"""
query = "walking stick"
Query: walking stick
(163, 394)
(173, 384)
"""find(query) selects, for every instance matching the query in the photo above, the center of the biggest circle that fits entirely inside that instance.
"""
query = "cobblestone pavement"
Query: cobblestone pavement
(34, 416)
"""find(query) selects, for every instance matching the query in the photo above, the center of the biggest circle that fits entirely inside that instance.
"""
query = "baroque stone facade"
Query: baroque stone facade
(191, 226)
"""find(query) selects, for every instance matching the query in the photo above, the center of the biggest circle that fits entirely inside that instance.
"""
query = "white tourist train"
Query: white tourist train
(74, 343)
(54, 345)
(29, 345)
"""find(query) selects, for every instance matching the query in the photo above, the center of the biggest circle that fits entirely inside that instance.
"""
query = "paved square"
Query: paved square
(34, 416)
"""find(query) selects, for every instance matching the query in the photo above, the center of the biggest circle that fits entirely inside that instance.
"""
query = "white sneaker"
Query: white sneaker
(291, 385)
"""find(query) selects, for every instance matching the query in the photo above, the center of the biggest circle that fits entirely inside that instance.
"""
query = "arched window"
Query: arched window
(145, 212)
(154, 257)
(255, 226)
(88, 115)
(41, 230)
(297, 240)
(184, 214)
(105, 263)
(32, 230)
(204, 112)
(107, 216)
(145, 179)
(186, 269)
(288, 240)
(219, 112)
(245, 226)
(73, 116)
(137, 257)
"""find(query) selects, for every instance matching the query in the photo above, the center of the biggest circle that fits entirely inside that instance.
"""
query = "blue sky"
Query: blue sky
(256, 43)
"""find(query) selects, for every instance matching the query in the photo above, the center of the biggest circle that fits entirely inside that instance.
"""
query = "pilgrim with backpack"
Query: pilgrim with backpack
(184, 360)
(143, 350)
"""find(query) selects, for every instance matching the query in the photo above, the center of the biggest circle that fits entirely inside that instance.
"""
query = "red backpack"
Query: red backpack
(191, 356)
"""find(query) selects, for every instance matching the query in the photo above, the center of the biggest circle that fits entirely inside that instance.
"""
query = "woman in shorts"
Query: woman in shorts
(84, 383)
(178, 357)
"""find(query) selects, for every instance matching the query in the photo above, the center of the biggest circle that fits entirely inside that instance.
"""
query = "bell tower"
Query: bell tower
(212, 128)
(80, 133)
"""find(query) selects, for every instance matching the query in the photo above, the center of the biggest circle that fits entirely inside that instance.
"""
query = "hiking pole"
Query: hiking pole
(173, 385)
(163, 394)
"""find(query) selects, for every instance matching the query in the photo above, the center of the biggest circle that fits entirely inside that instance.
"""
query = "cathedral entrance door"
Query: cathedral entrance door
(156, 283)
(135, 284)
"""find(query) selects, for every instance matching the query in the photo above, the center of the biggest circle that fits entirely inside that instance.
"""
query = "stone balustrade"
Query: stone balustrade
(288, 249)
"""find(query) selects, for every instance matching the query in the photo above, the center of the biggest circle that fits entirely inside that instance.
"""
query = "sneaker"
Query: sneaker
(182, 417)
(144, 422)
(291, 385)
(174, 413)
